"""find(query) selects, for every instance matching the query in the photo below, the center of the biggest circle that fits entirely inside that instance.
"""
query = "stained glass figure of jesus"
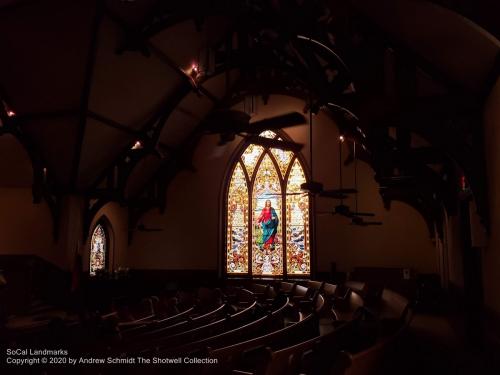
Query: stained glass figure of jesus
(268, 220)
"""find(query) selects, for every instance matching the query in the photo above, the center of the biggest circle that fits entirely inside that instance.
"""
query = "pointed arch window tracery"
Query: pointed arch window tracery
(98, 250)
(267, 215)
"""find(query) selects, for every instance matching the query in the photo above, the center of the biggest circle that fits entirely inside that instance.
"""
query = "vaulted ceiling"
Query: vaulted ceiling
(82, 82)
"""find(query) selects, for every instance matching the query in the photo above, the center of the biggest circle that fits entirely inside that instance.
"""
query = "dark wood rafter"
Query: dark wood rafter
(235, 59)
(113, 124)
(197, 11)
(42, 187)
(152, 127)
(273, 59)
(406, 53)
(91, 210)
(452, 133)
(180, 159)
(89, 70)
(429, 209)
(150, 132)
(172, 166)
(141, 42)
(197, 85)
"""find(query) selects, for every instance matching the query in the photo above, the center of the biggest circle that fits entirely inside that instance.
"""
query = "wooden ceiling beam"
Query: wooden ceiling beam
(84, 101)
(113, 124)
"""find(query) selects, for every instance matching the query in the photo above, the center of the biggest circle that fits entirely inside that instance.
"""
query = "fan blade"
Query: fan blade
(278, 122)
(312, 187)
(333, 195)
(279, 195)
(275, 143)
(356, 220)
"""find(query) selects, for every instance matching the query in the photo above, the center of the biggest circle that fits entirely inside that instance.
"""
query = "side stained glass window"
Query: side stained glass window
(267, 215)
(98, 247)
(237, 228)
(297, 223)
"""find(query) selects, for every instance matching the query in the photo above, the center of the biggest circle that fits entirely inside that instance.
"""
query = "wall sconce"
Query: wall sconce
(137, 145)
(195, 72)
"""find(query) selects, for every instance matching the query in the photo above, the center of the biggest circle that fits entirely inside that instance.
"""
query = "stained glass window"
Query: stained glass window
(268, 134)
(283, 159)
(297, 224)
(98, 247)
(267, 215)
(250, 158)
(266, 203)
(237, 228)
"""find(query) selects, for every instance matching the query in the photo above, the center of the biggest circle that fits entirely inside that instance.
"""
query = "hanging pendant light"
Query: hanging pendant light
(312, 187)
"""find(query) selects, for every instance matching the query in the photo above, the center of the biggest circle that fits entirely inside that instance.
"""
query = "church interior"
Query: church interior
(250, 186)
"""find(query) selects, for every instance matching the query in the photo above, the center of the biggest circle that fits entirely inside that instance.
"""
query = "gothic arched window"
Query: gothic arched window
(98, 249)
(267, 215)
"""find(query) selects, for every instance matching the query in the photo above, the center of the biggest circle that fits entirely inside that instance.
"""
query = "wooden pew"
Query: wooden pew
(325, 352)
(341, 301)
(270, 322)
(164, 342)
(317, 285)
(189, 322)
(287, 288)
(230, 357)
(142, 327)
(241, 296)
(394, 314)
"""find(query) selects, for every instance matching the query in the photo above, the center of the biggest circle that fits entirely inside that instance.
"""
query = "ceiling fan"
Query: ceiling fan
(357, 220)
(342, 209)
(229, 123)
(315, 187)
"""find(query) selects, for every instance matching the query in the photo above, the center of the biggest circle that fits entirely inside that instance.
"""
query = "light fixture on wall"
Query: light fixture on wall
(137, 145)
(195, 72)
(8, 111)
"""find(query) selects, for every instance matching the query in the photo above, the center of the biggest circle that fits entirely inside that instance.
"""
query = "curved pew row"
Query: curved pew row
(304, 298)
(188, 319)
(189, 330)
(394, 315)
(341, 300)
(236, 355)
(278, 353)
(292, 350)
(127, 330)
(262, 330)
(271, 321)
